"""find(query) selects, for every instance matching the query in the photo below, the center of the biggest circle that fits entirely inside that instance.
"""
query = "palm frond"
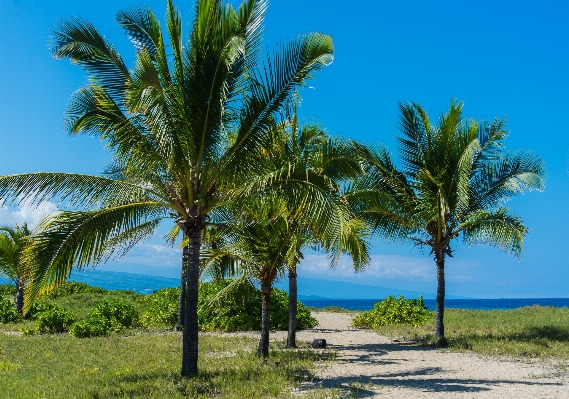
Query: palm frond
(82, 239)
(498, 228)
(76, 190)
(79, 41)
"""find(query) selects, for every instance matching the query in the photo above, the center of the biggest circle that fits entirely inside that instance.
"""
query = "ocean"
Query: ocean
(145, 284)
(473, 304)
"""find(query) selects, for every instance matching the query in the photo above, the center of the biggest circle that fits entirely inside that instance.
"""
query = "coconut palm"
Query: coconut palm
(13, 241)
(264, 237)
(307, 147)
(266, 233)
(183, 124)
(454, 179)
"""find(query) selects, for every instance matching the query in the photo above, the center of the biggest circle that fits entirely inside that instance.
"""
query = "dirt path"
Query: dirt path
(371, 366)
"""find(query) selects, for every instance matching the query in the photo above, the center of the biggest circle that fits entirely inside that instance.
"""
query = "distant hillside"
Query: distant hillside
(308, 288)
(316, 289)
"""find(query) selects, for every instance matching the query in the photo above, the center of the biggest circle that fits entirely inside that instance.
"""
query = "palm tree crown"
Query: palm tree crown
(454, 180)
(13, 242)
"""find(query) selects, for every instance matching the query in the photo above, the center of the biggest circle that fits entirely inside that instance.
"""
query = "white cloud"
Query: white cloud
(381, 268)
(154, 255)
(26, 212)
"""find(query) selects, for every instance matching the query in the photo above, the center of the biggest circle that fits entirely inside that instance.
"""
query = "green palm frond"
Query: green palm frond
(385, 216)
(498, 228)
(271, 85)
(143, 29)
(13, 241)
(509, 175)
(82, 239)
(80, 42)
(77, 190)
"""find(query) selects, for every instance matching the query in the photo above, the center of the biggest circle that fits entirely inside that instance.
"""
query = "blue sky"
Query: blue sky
(502, 58)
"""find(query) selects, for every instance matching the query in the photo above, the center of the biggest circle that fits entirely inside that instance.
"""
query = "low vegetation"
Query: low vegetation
(143, 364)
(133, 352)
(529, 332)
(87, 311)
(392, 311)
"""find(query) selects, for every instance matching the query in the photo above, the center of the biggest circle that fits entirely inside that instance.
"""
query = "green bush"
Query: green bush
(89, 328)
(120, 314)
(73, 287)
(55, 320)
(8, 313)
(393, 311)
(7, 290)
(241, 309)
(37, 308)
(279, 312)
(114, 315)
(161, 308)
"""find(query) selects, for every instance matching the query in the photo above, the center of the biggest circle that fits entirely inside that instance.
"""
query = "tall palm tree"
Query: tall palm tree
(454, 179)
(13, 241)
(307, 147)
(184, 124)
(263, 239)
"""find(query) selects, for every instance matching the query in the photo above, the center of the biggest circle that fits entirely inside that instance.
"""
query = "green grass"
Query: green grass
(146, 365)
(142, 363)
(530, 332)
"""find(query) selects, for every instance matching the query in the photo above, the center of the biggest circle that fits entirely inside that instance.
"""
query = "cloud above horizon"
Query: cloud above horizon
(380, 269)
(25, 212)
(154, 255)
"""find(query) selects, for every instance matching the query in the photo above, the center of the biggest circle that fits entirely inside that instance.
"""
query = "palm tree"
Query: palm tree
(454, 180)
(263, 238)
(13, 241)
(307, 147)
(266, 233)
(184, 124)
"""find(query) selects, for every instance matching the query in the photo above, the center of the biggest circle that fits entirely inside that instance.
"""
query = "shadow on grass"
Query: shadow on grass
(241, 372)
(541, 336)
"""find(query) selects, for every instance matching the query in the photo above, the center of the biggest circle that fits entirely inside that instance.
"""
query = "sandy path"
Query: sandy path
(374, 367)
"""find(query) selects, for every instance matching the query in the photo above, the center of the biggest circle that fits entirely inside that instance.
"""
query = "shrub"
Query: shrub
(279, 312)
(55, 320)
(73, 287)
(37, 308)
(8, 313)
(114, 315)
(241, 309)
(162, 308)
(89, 328)
(119, 313)
(392, 311)
(7, 290)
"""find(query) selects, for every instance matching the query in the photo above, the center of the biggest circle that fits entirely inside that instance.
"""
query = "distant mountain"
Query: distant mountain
(308, 288)
(318, 289)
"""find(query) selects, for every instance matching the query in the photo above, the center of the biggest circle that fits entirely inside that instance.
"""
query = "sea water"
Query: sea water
(474, 304)
(145, 284)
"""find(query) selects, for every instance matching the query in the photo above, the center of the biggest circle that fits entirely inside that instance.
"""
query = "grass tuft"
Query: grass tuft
(530, 332)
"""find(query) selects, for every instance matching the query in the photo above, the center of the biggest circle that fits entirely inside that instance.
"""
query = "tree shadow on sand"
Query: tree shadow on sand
(423, 379)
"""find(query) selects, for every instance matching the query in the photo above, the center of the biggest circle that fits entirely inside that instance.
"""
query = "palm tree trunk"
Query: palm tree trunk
(440, 314)
(183, 282)
(19, 300)
(263, 349)
(292, 298)
(190, 335)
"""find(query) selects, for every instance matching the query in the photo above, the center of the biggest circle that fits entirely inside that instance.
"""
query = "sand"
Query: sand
(369, 365)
